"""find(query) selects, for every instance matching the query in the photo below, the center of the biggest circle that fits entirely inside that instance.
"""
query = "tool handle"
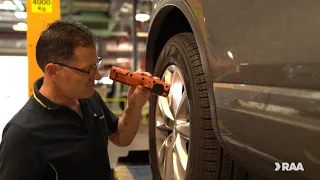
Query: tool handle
(155, 86)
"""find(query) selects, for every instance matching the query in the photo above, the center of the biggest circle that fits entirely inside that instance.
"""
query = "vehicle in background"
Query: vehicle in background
(245, 89)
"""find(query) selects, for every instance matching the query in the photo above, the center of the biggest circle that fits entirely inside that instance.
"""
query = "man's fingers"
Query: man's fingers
(156, 78)
(148, 74)
(142, 92)
(131, 90)
(144, 73)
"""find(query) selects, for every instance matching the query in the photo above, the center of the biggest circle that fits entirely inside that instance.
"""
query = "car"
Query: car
(244, 101)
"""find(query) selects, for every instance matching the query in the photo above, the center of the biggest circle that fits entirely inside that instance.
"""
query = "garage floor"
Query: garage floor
(134, 167)
(142, 172)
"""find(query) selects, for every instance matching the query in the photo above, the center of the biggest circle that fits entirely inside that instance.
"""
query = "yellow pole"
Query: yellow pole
(40, 14)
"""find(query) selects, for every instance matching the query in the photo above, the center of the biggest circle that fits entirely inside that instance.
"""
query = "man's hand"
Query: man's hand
(137, 97)
(129, 122)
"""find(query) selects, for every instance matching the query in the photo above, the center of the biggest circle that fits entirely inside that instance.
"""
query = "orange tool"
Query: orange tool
(134, 79)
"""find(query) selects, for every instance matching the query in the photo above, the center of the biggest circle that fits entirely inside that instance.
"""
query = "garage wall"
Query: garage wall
(13, 88)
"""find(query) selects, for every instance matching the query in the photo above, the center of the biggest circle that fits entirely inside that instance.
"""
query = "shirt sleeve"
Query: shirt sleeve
(111, 118)
(19, 156)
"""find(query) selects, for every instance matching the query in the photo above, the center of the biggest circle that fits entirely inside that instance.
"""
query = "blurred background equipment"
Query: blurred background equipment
(121, 28)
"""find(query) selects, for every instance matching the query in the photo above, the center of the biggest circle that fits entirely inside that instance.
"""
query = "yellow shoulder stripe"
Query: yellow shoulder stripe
(34, 95)
(54, 171)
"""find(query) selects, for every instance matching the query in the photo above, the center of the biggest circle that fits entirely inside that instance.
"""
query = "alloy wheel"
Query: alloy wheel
(173, 127)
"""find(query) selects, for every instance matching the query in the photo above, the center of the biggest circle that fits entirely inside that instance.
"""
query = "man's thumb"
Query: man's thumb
(138, 90)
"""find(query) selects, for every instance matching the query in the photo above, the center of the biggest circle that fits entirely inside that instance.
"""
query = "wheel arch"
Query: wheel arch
(169, 21)
(163, 27)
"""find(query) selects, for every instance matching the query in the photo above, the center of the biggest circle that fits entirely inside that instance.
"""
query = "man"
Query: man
(63, 130)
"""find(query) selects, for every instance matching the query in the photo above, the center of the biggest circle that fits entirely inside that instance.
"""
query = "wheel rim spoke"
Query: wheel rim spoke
(176, 90)
(173, 127)
(164, 120)
(183, 108)
(165, 156)
(168, 78)
(165, 107)
(183, 129)
(165, 124)
(180, 157)
(179, 172)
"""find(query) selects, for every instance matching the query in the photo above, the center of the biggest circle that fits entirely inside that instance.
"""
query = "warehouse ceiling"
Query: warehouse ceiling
(110, 20)
(106, 18)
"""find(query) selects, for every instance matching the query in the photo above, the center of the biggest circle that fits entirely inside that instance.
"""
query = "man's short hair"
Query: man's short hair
(59, 40)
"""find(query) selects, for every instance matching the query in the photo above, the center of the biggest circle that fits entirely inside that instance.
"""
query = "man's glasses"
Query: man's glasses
(89, 71)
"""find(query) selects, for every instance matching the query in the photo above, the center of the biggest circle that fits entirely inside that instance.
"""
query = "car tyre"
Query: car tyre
(206, 158)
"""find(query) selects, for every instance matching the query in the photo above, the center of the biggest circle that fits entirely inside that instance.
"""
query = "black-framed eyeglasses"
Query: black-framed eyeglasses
(89, 71)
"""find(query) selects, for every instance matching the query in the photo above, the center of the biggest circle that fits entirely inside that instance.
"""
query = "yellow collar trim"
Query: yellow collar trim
(34, 95)
(54, 170)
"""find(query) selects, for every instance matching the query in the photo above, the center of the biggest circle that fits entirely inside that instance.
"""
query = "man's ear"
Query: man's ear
(53, 71)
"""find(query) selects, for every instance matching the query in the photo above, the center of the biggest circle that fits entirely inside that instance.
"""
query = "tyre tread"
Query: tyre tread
(213, 162)
(229, 170)
(209, 145)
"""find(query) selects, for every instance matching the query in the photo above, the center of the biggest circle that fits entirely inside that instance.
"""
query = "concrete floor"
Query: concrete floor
(132, 162)
(142, 172)
(134, 167)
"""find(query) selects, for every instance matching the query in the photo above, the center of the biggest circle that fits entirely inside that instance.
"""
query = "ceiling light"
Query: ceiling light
(21, 26)
(124, 46)
(8, 5)
(230, 54)
(19, 4)
(20, 15)
(142, 17)
(124, 9)
(122, 60)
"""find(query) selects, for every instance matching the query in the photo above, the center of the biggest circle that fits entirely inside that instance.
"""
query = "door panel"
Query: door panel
(267, 125)
(264, 61)
(268, 43)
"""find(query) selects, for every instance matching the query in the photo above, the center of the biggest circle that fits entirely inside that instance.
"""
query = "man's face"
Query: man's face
(76, 84)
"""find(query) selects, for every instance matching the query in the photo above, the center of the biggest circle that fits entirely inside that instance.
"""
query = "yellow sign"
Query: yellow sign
(37, 21)
(41, 6)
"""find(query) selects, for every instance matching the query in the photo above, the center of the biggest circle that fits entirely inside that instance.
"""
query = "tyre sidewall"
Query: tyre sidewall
(174, 53)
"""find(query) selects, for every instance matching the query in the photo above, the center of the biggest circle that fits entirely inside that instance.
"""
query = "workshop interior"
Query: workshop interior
(238, 94)
(114, 25)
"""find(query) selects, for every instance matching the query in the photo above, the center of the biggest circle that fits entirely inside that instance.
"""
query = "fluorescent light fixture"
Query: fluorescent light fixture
(124, 46)
(142, 34)
(124, 9)
(20, 15)
(142, 17)
(8, 5)
(21, 26)
(122, 60)
(19, 4)
(230, 54)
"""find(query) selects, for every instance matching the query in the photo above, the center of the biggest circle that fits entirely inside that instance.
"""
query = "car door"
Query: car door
(265, 66)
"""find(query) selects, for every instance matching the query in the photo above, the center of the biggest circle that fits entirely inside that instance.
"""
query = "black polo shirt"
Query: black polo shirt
(47, 141)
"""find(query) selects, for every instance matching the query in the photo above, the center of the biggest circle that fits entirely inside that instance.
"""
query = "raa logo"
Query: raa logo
(284, 166)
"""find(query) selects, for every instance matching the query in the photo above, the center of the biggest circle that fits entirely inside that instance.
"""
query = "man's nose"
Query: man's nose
(97, 75)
